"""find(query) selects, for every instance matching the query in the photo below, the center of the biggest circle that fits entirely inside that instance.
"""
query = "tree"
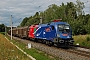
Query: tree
(79, 7)
(87, 20)
(24, 21)
(2, 28)
(70, 12)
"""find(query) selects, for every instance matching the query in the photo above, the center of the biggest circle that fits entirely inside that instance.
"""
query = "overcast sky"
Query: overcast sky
(26, 8)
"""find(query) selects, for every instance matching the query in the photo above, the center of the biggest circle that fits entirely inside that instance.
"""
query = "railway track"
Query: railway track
(80, 51)
(73, 53)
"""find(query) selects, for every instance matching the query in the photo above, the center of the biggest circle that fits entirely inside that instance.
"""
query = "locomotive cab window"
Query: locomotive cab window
(64, 28)
(52, 27)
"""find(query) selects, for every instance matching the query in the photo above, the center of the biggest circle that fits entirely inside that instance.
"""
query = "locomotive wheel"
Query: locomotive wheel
(44, 41)
(35, 40)
(49, 43)
(58, 45)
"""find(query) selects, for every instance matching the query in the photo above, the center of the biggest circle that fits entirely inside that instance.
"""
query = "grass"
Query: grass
(9, 51)
(2, 33)
(83, 40)
(37, 54)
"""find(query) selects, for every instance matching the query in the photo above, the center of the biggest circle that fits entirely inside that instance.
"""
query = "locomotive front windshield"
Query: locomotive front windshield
(63, 28)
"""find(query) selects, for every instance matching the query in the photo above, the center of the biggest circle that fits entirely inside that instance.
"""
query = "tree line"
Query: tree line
(2, 28)
(71, 13)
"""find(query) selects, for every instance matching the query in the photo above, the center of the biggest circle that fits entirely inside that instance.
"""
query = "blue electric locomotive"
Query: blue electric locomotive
(55, 33)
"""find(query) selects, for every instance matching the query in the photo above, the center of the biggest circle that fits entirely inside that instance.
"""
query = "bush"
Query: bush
(3, 33)
(88, 39)
(83, 44)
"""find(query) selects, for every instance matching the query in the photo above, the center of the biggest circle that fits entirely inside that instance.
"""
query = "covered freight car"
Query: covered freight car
(14, 31)
(22, 32)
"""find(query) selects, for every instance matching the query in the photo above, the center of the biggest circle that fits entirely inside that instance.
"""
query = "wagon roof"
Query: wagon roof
(22, 27)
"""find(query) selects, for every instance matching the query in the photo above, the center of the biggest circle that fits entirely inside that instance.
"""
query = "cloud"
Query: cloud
(26, 8)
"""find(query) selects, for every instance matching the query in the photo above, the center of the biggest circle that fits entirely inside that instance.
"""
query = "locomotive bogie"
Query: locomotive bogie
(63, 42)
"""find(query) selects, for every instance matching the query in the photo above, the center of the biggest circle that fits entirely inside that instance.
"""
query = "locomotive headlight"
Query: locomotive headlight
(58, 35)
(68, 36)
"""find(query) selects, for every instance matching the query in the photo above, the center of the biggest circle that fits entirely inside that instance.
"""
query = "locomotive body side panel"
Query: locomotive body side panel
(45, 32)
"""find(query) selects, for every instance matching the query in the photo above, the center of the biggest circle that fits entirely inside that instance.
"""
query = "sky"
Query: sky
(20, 9)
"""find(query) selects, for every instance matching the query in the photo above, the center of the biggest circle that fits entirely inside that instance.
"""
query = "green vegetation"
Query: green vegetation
(2, 33)
(2, 28)
(88, 39)
(83, 40)
(37, 54)
(9, 51)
